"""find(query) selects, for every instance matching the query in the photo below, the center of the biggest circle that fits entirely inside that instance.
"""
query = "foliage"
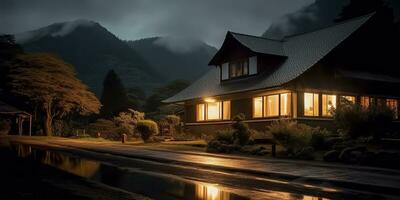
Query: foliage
(354, 121)
(51, 85)
(128, 120)
(241, 134)
(293, 136)
(172, 122)
(106, 128)
(225, 136)
(147, 128)
(226, 141)
(318, 138)
(136, 98)
(4, 127)
(153, 102)
(114, 97)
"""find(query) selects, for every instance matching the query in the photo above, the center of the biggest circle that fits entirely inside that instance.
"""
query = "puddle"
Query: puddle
(154, 185)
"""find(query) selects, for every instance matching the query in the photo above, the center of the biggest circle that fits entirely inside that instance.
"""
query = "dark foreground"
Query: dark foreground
(25, 179)
(58, 172)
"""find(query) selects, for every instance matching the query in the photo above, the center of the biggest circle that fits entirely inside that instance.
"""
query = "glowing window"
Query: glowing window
(285, 104)
(272, 106)
(311, 104)
(365, 101)
(257, 107)
(226, 110)
(213, 111)
(347, 99)
(238, 68)
(328, 104)
(200, 112)
(393, 104)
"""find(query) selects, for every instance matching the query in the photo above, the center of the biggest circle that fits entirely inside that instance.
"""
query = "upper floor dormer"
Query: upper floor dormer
(243, 56)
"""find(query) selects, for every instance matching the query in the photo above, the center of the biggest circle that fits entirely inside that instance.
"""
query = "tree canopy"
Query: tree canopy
(154, 101)
(113, 98)
(51, 85)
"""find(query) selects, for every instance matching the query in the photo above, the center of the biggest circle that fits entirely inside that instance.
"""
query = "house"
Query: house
(301, 77)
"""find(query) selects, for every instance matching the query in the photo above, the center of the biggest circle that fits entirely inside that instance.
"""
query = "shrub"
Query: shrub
(293, 136)
(318, 138)
(127, 121)
(354, 121)
(147, 128)
(4, 127)
(224, 136)
(296, 137)
(173, 122)
(241, 132)
(106, 128)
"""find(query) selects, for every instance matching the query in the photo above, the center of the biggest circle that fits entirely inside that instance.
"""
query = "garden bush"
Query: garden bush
(4, 127)
(147, 128)
(293, 136)
(224, 136)
(353, 121)
(226, 141)
(318, 138)
(300, 140)
(173, 123)
(241, 131)
(106, 128)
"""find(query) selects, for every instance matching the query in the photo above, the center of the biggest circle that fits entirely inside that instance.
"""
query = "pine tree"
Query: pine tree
(113, 98)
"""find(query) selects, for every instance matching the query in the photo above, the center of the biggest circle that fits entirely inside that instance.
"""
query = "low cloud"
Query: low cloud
(63, 30)
(178, 44)
(206, 20)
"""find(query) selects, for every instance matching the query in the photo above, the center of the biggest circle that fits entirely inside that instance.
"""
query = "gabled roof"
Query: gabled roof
(302, 51)
(260, 44)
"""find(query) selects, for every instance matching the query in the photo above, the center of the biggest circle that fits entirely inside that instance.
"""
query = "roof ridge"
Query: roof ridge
(255, 36)
(329, 26)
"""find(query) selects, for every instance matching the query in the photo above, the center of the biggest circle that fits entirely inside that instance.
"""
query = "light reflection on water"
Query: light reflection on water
(157, 186)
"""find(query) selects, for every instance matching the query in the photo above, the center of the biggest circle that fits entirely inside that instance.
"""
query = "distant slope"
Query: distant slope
(175, 58)
(93, 50)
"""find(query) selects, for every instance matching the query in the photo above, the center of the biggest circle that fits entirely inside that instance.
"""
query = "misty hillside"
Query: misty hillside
(187, 59)
(93, 50)
(320, 14)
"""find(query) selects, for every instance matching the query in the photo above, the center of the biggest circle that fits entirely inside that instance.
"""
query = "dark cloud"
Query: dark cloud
(206, 20)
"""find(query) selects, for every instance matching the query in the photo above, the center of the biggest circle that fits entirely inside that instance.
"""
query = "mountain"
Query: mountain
(175, 58)
(320, 14)
(93, 51)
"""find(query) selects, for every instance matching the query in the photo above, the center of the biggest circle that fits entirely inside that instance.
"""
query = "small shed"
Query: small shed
(19, 116)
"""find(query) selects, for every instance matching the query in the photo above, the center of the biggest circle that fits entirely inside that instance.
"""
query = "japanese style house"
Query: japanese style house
(301, 77)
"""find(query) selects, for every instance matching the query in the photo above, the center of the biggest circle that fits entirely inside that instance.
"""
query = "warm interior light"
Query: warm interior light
(257, 107)
(209, 100)
(212, 192)
(214, 110)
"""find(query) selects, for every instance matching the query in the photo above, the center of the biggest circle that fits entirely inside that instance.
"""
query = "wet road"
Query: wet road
(296, 184)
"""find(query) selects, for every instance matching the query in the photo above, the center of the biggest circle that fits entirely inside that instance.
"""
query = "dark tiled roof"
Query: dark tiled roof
(302, 51)
(260, 44)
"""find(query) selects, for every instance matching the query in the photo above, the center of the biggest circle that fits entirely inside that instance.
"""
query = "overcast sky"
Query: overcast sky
(207, 20)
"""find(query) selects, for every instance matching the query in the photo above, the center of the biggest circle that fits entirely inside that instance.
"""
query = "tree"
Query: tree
(358, 8)
(113, 98)
(8, 51)
(154, 101)
(51, 85)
